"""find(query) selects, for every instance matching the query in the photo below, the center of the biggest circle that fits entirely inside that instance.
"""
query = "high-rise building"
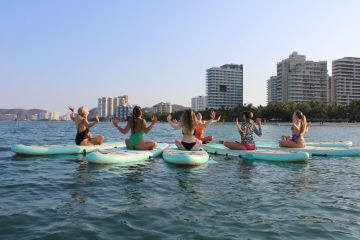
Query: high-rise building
(119, 101)
(345, 80)
(299, 80)
(162, 108)
(44, 116)
(34, 117)
(54, 116)
(198, 103)
(272, 86)
(124, 111)
(108, 106)
(224, 86)
(102, 108)
(66, 117)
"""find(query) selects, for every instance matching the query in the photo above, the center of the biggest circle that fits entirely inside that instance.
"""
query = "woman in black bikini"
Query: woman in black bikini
(188, 123)
(83, 136)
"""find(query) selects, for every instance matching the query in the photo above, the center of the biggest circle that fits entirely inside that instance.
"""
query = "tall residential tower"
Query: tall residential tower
(108, 106)
(224, 86)
(345, 80)
(198, 103)
(299, 80)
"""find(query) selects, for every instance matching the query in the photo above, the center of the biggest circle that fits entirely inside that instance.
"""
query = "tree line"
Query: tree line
(282, 112)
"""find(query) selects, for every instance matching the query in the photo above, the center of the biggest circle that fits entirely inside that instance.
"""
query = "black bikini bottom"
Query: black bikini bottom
(188, 146)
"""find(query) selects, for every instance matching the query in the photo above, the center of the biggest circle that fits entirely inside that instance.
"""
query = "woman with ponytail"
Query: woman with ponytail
(138, 128)
(299, 128)
(188, 123)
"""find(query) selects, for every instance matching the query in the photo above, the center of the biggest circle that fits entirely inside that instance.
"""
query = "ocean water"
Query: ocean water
(63, 197)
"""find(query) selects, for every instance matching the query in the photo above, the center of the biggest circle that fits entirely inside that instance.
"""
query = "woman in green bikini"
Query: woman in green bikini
(138, 129)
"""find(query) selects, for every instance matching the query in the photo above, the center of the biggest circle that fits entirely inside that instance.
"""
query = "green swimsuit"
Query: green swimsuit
(135, 138)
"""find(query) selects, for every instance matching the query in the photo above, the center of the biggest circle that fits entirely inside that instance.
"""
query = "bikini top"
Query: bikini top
(295, 136)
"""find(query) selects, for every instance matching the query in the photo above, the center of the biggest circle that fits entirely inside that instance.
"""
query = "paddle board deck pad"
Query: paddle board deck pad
(263, 155)
(175, 156)
(124, 155)
(338, 144)
(322, 151)
(44, 150)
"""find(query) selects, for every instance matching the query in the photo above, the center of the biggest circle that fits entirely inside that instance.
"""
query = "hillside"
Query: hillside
(93, 113)
(178, 108)
(22, 114)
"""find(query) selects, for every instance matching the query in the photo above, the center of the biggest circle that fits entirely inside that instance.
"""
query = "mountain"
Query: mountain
(22, 114)
(178, 108)
(92, 113)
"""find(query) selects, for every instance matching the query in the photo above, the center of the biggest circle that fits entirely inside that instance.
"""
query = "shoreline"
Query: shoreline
(319, 124)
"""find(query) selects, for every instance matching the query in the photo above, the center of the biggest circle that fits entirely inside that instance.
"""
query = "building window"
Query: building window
(222, 88)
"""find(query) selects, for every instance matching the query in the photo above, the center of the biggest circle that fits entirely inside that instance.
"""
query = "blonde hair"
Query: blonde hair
(188, 120)
(80, 116)
(303, 123)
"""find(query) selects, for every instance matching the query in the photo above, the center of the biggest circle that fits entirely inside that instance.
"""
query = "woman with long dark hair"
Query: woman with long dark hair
(138, 128)
(188, 123)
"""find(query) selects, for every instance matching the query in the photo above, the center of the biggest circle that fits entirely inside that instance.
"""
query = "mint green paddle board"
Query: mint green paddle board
(44, 150)
(175, 156)
(335, 144)
(263, 155)
(124, 155)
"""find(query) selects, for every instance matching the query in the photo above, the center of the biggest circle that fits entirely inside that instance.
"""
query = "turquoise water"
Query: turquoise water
(63, 197)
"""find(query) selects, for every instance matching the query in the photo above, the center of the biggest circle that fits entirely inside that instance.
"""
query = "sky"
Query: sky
(59, 53)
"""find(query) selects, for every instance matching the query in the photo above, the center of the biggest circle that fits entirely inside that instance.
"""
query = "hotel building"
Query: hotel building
(299, 80)
(108, 106)
(224, 86)
(124, 111)
(162, 108)
(345, 80)
(198, 103)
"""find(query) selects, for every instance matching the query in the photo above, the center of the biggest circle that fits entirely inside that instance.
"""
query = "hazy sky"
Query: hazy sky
(70, 52)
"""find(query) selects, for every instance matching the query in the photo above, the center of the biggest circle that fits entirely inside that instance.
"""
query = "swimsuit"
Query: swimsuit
(246, 134)
(296, 137)
(135, 138)
(199, 134)
(248, 146)
(188, 146)
(81, 136)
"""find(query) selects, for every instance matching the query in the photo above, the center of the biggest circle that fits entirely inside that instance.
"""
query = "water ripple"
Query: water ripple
(63, 197)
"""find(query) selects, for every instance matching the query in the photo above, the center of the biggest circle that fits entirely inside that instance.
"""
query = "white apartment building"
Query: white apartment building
(162, 108)
(54, 116)
(10, 117)
(43, 116)
(272, 86)
(299, 80)
(345, 80)
(124, 111)
(34, 117)
(66, 117)
(108, 106)
(198, 103)
(224, 86)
